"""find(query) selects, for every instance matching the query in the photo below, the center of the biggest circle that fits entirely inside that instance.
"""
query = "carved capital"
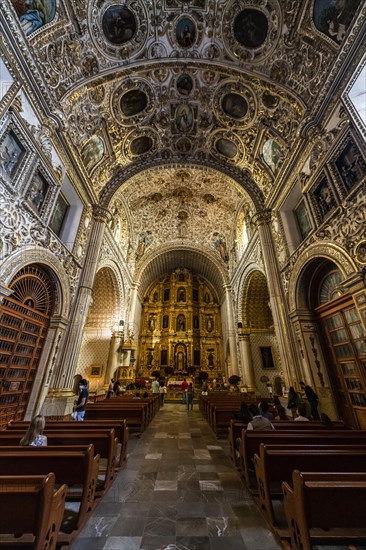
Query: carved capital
(101, 215)
(262, 218)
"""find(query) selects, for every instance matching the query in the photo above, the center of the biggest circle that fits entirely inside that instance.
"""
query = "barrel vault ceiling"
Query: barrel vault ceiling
(181, 115)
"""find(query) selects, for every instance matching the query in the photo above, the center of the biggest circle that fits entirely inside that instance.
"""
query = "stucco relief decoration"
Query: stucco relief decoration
(132, 102)
(166, 201)
(235, 104)
(18, 228)
(251, 31)
(119, 27)
(34, 14)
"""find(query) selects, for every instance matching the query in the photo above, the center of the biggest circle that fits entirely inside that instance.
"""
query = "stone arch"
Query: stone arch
(256, 311)
(243, 282)
(315, 253)
(42, 257)
(166, 258)
(119, 280)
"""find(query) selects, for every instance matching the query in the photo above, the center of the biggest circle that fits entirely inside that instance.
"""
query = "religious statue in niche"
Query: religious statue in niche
(152, 323)
(210, 360)
(220, 245)
(181, 323)
(149, 359)
(181, 295)
(209, 324)
(144, 242)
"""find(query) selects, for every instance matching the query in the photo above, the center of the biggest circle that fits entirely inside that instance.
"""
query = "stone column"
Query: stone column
(112, 363)
(64, 374)
(246, 360)
(231, 330)
(281, 320)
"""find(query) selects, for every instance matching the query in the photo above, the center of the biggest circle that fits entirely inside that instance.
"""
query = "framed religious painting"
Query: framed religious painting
(303, 219)
(324, 198)
(12, 154)
(59, 215)
(350, 165)
(38, 193)
(96, 371)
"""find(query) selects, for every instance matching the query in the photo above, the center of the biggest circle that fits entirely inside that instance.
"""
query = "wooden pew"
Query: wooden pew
(236, 427)
(275, 464)
(103, 441)
(31, 511)
(119, 426)
(325, 507)
(135, 415)
(251, 440)
(73, 466)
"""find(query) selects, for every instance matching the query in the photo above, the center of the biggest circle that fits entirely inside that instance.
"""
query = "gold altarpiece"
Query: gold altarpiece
(180, 328)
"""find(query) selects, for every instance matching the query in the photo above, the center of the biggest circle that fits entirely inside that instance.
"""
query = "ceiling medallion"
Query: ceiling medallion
(132, 102)
(226, 145)
(235, 104)
(140, 143)
(186, 31)
(118, 27)
(250, 30)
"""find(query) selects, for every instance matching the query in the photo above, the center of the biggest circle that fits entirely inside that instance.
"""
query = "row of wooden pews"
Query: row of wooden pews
(50, 492)
(309, 481)
(218, 409)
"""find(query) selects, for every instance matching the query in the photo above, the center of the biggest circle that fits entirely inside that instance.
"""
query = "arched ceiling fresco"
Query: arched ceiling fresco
(144, 90)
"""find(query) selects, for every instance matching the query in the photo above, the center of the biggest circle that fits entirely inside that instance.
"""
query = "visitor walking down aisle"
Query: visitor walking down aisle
(177, 491)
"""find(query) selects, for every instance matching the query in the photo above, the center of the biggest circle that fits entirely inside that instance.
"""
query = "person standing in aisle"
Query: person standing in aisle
(162, 392)
(184, 388)
(190, 396)
(80, 403)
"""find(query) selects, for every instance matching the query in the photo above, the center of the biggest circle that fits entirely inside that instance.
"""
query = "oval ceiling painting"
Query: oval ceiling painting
(251, 28)
(226, 148)
(133, 102)
(185, 32)
(119, 24)
(184, 84)
(234, 105)
(141, 145)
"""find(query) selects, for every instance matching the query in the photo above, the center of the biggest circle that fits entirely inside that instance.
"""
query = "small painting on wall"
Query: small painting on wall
(37, 193)
(267, 357)
(303, 219)
(351, 165)
(59, 214)
(96, 371)
(324, 197)
(11, 154)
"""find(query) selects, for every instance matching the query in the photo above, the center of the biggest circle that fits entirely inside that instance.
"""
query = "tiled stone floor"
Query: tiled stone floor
(178, 491)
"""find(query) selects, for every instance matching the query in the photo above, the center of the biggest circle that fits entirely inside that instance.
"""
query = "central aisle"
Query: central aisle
(178, 491)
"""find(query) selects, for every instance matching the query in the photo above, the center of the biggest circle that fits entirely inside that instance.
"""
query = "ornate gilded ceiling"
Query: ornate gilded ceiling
(146, 90)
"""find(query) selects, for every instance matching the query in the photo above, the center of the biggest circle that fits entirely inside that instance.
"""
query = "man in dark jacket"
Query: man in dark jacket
(313, 400)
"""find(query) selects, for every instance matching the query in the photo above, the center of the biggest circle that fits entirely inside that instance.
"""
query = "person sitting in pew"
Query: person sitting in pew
(281, 413)
(264, 410)
(244, 414)
(34, 435)
(328, 423)
(301, 409)
(258, 421)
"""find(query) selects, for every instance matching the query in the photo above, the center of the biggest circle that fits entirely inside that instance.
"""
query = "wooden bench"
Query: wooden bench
(275, 464)
(251, 440)
(119, 426)
(325, 507)
(31, 511)
(103, 440)
(135, 415)
(237, 426)
(74, 466)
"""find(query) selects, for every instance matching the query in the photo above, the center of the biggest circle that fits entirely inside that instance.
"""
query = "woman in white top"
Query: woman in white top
(34, 435)
(162, 392)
